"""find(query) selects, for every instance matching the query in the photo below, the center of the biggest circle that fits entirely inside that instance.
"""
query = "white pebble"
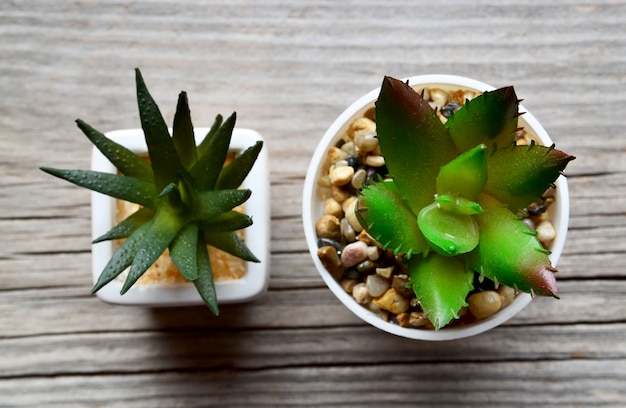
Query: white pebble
(361, 294)
(376, 285)
(375, 161)
(351, 216)
(545, 232)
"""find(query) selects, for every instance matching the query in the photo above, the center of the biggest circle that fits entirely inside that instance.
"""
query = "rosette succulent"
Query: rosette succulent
(187, 195)
(453, 200)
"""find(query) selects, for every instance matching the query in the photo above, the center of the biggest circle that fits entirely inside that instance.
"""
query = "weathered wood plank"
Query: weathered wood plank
(545, 383)
(72, 310)
(195, 350)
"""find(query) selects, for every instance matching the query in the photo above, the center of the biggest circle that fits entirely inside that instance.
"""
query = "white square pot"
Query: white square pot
(257, 236)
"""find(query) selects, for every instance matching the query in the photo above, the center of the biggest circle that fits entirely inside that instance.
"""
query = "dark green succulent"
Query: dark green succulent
(186, 194)
(456, 190)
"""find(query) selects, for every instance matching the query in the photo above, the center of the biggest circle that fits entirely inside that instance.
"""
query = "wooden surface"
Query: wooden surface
(289, 68)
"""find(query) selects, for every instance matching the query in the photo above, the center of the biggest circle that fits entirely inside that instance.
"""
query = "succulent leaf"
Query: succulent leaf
(387, 217)
(217, 123)
(126, 227)
(122, 257)
(519, 175)
(441, 285)
(182, 132)
(508, 252)
(211, 160)
(236, 171)
(122, 187)
(204, 283)
(183, 251)
(447, 232)
(465, 175)
(490, 118)
(414, 141)
(163, 229)
(166, 165)
(231, 243)
(213, 203)
(458, 205)
(230, 221)
(124, 160)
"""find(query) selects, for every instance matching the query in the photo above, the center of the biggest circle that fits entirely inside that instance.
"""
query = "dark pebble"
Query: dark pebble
(322, 242)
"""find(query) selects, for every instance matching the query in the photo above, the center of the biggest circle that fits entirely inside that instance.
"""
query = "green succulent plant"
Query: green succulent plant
(454, 196)
(187, 195)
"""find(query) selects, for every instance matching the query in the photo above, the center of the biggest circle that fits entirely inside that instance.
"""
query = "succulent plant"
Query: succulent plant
(453, 201)
(187, 195)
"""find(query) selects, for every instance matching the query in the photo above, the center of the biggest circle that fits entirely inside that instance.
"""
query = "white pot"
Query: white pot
(313, 209)
(253, 284)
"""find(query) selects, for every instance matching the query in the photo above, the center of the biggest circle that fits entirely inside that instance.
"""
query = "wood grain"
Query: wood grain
(289, 69)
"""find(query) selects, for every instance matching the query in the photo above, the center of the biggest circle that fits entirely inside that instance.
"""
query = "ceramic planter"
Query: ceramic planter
(257, 236)
(313, 209)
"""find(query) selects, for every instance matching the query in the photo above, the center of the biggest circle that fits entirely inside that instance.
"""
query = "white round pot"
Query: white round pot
(257, 236)
(313, 209)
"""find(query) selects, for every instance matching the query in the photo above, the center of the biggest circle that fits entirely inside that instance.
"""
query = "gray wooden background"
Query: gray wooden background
(289, 68)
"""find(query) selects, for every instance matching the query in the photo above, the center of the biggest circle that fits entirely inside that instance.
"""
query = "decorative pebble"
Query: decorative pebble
(328, 226)
(418, 319)
(484, 304)
(545, 232)
(400, 284)
(329, 242)
(341, 175)
(385, 272)
(439, 97)
(339, 194)
(360, 294)
(366, 266)
(507, 295)
(335, 154)
(375, 161)
(351, 217)
(330, 259)
(377, 285)
(403, 319)
(354, 254)
(348, 285)
(347, 231)
(359, 178)
(392, 301)
(332, 207)
(372, 253)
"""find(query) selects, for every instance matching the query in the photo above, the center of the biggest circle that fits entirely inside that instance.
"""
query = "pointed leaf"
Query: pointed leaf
(458, 205)
(236, 171)
(217, 123)
(166, 164)
(509, 253)
(210, 162)
(122, 257)
(441, 285)
(163, 229)
(490, 118)
(413, 141)
(211, 204)
(127, 162)
(388, 219)
(465, 175)
(231, 243)
(230, 221)
(182, 135)
(519, 175)
(114, 185)
(127, 226)
(183, 251)
(204, 283)
(448, 233)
